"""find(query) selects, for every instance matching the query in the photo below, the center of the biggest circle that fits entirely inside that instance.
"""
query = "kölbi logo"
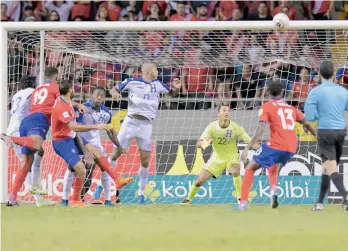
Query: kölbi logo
(307, 163)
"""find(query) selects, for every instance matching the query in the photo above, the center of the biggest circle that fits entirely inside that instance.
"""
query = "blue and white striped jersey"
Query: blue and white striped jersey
(101, 116)
(143, 97)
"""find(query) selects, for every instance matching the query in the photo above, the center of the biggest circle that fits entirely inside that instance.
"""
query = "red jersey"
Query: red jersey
(282, 119)
(43, 98)
(62, 114)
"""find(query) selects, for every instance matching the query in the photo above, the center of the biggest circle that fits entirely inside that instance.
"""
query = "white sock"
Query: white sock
(68, 181)
(35, 171)
(37, 197)
(106, 181)
(143, 178)
(28, 179)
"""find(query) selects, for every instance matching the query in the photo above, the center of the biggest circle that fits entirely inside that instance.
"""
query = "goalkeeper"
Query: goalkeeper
(223, 135)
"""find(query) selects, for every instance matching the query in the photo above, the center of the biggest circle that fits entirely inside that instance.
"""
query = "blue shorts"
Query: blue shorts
(267, 157)
(35, 124)
(68, 150)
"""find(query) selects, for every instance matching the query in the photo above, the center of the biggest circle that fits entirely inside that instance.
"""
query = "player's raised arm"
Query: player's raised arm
(85, 128)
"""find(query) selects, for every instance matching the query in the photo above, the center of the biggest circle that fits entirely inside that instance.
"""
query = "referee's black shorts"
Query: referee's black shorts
(330, 143)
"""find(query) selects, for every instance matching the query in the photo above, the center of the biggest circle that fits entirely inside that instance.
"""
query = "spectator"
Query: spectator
(292, 12)
(61, 7)
(113, 10)
(262, 13)
(342, 75)
(54, 16)
(224, 73)
(147, 5)
(28, 12)
(154, 12)
(321, 10)
(180, 15)
(79, 19)
(286, 84)
(81, 9)
(38, 7)
(302, 87)
(202, 14)
(255, 51)
(247, 85)
(226, 8)
(102, 14)
(13, 10)
(4, 17)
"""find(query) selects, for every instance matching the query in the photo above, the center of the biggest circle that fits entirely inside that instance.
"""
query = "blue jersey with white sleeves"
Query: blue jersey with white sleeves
(97, 116)
(143, 97)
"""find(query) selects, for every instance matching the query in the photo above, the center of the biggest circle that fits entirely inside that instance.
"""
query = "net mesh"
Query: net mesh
(214, 66)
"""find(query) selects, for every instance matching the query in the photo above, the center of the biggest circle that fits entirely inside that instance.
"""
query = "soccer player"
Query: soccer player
(100, 114)
(20, 105)
(144, 97)
(68, 145)
(33, 128)
(282, 145)
(223, 134)
(327, 103)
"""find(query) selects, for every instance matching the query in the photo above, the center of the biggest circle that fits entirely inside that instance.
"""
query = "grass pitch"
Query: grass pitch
(173, 228)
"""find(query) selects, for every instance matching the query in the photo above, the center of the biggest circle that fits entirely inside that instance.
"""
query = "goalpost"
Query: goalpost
(231, 62)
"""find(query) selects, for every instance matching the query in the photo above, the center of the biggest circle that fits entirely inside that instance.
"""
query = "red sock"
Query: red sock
(24, 141)
(273, 176)
(20, 177)
(104, 164)
(246, 184)
(78, 184)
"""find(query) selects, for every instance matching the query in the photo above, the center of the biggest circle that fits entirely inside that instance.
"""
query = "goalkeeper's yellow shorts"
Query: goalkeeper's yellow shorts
(216, 165)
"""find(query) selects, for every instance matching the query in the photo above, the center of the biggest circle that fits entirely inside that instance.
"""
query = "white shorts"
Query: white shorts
(17, 148)
(141, 130)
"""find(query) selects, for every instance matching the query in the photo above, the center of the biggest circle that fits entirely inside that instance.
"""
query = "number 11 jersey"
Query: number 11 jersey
(43, 99)
(282, 119)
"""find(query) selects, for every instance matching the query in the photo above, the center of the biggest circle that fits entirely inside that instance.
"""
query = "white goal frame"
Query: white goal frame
(165, 26)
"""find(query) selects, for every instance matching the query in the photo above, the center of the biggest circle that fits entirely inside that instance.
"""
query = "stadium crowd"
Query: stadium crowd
(216, 64)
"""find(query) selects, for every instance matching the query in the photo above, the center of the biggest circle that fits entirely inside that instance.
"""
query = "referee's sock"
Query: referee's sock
(337, 179)
(324, 187)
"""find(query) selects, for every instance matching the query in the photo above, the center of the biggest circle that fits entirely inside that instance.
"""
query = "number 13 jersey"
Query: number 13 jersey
(43, 99)
(282, 119)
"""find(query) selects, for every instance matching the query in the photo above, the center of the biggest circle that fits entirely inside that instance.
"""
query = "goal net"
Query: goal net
(215, 66)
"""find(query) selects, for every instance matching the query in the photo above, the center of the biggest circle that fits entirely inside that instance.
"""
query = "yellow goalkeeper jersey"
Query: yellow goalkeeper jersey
(224, 140)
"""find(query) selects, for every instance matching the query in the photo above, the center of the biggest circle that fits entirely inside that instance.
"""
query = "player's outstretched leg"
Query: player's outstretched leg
(246, 185)
(273, 180)
(202, 178)
(105, 165)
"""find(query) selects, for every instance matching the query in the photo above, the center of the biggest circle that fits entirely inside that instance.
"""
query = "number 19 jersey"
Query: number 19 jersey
(43, 99)
(282, 119)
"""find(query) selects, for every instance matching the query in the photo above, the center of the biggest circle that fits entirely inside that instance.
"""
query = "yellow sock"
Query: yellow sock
(192, 193)
(237, 182)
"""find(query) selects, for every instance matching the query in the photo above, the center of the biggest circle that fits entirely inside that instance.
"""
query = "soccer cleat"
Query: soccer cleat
(141, 200)
(345, 205)
(108, 203)
(97, 192)
(240, 207)
(12, 203)
(7, 139)
(37, 190)
(318, 207)
(64, 203)
(185, 202)
(274, 201)
(77, 203)
(44, 203)
(121, 182)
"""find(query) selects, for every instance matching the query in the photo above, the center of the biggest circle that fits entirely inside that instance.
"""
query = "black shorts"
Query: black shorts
(330, 143)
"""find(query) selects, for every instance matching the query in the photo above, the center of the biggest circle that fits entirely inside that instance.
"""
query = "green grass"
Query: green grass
(173, 227)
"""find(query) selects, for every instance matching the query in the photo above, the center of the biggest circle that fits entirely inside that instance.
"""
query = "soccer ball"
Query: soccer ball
(281, 21)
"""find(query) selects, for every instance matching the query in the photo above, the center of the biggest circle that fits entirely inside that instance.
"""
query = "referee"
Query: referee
(327, 103)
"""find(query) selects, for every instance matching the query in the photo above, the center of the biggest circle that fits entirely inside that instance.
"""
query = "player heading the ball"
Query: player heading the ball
(69, 145)
(33, 128)
(144, 97)
(223, 134)
(281, 146)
